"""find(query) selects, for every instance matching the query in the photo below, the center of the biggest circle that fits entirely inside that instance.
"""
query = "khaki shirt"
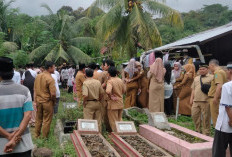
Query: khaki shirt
(116, 87)
(92, 89)
(219, 77)
(196, 86)
(80, 78)
(45, 89)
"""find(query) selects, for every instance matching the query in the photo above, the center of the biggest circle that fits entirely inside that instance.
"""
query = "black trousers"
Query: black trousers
(168, 106)
(24, 154)
(220, 143)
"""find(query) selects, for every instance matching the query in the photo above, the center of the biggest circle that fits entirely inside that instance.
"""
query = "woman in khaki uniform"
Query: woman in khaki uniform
(132, 76)
(156, 87)
(185, 93)
(179, 75)
(143, 86)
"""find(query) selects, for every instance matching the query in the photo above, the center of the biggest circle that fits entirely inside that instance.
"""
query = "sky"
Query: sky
(32, 7)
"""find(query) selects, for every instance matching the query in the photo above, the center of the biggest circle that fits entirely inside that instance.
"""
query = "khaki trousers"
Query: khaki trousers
(214, 109)
(80, 99)
(44, 116)
(92, 110)
(114, 115)
(105, 119)
(201, 114)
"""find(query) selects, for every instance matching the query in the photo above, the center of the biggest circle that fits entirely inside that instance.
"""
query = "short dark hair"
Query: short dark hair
(112, 71)
(104, 62)
(93, 66)
(73, 66)
(7, 75)
(81, 66)
(110, 62)
(89, 72)
(49, 64)
(97, 66)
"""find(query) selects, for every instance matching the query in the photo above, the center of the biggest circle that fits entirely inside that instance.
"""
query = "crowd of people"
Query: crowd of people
(202, 92)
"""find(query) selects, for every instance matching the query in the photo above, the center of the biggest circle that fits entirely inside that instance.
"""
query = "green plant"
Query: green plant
(138, 116)
(128, 25)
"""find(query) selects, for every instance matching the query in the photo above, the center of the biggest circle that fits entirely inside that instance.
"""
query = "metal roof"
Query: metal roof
(200, 37)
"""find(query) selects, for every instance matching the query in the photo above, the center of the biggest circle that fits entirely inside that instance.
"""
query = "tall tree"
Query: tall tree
(129, 24)
(65, 46)
(3, 13)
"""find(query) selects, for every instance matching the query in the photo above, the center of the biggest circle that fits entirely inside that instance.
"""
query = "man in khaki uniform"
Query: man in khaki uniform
(45, 98)
(199, 101)
(216, 87)
(106, 65)
(92, 94)
(115, 89)
(96, 75)
(80, 78)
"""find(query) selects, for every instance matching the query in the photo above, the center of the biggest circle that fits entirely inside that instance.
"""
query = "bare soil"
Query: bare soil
(96, 146)
(142, 146)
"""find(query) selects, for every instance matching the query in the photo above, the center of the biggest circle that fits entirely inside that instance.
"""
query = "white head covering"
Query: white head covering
(131, 68)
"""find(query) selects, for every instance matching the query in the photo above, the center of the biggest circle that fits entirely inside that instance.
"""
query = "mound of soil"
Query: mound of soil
(142, 146)
(96, 146)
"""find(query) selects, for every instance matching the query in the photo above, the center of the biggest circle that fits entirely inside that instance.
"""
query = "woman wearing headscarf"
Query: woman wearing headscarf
(156, 87)
(29, 83)
(185, 87)
(169, 80)
(143, 86)
(179, 75)
(131, 79)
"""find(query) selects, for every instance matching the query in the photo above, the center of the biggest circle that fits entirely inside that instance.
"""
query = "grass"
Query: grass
(187, 122)
(52, 141)
(68, 149)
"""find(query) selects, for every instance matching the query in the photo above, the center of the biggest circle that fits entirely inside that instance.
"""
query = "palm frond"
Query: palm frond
(57, 53)
(93, 11)
(83, 27)
(44, 5)
(41, 52)
(9, 46)
(143, 28)
(80, 41)
(78, 56)
(110, 22)
(106, 4)
(161, 9)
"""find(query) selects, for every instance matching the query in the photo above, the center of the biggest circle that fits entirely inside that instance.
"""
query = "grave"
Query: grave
(89, 142)
(141, 115)
(60, 134)
(159, 120)
(70, 105)
(180, 147)
(132, 144)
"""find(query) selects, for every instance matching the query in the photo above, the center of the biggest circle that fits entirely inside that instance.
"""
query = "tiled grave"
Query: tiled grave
(89, 142)
(177, 146)
(132, 144)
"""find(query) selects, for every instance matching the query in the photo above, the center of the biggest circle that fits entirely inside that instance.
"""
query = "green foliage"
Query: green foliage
(187, 122)
(62, 49)
(19, 58)
(138, 116)
(195, 21)
(71, 114)
(129, 28)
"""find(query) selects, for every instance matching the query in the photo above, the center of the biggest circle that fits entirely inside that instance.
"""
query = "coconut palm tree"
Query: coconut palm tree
(3, 12)
(65, 45)
(129, 24)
